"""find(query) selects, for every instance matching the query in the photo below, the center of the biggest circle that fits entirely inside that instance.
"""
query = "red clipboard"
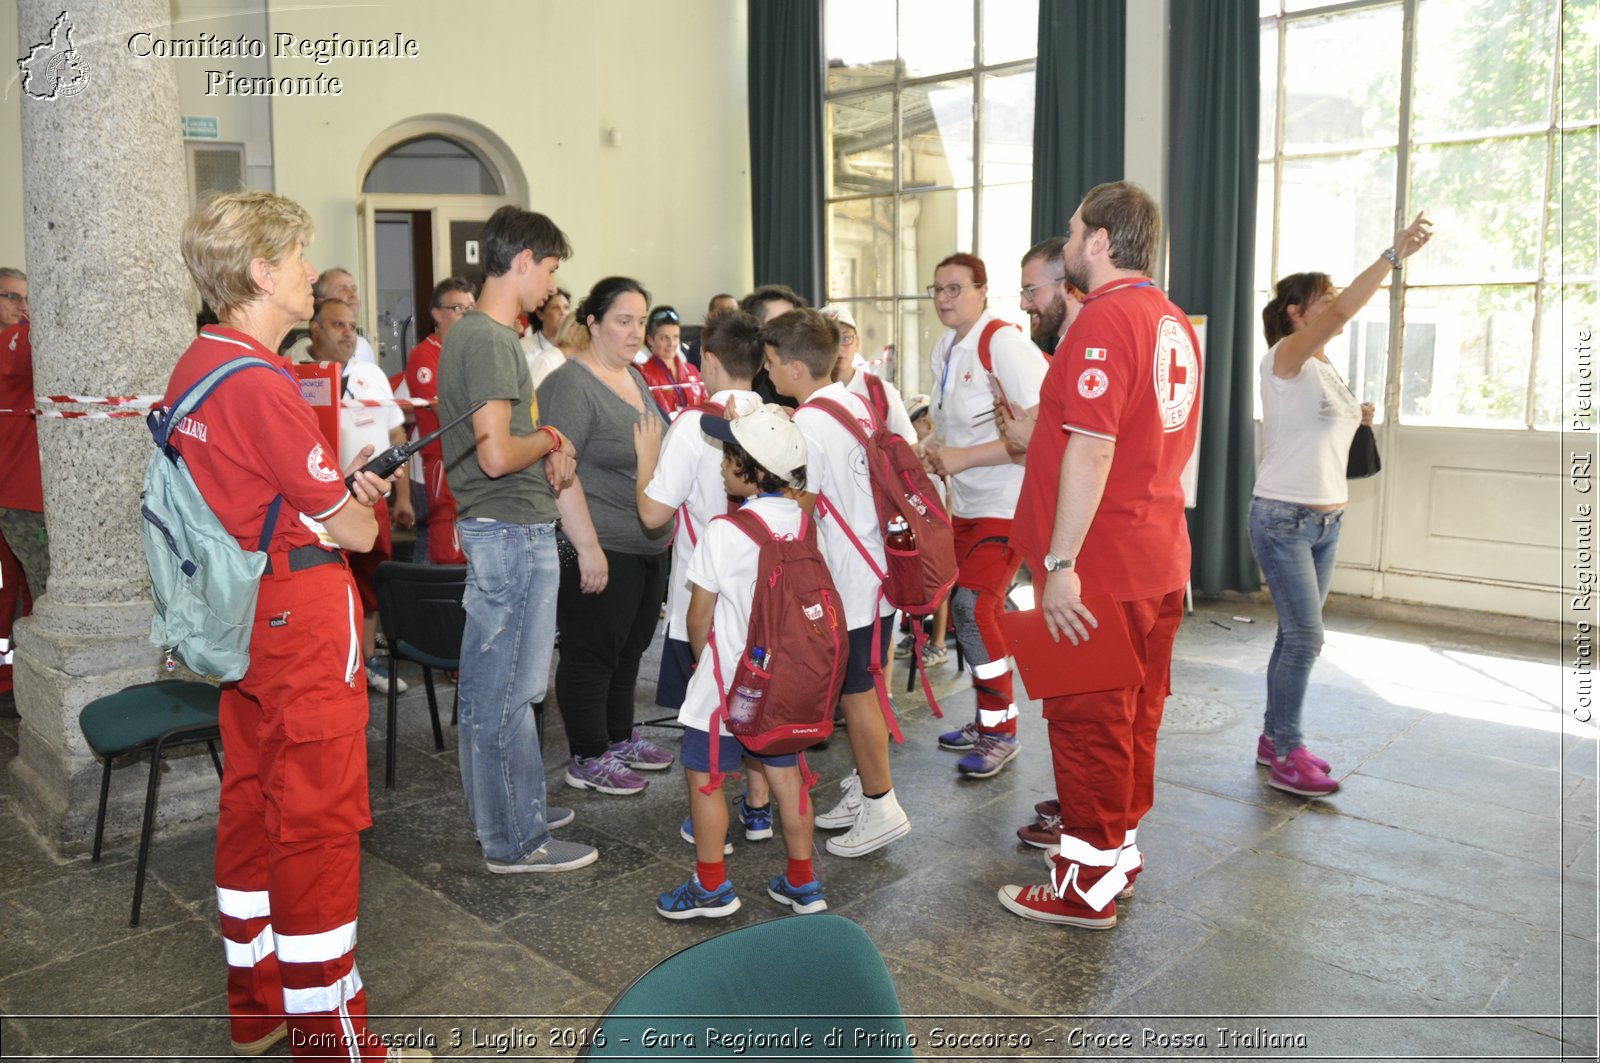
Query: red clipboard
(1051, 669)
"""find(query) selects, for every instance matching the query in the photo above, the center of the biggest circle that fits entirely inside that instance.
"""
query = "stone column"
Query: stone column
(104, 198)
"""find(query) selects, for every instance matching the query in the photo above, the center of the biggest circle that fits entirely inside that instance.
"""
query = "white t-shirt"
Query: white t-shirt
(361, 425)
(543, 356)
(836, 468)
(725, 564)
(1307, 422)
(963, 408)
(688, 477)
(899, 419)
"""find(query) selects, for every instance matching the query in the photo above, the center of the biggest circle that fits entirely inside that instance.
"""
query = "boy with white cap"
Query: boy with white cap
(764, 462)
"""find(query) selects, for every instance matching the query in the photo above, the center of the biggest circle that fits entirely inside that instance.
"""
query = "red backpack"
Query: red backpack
(918, 576)
(792, 668)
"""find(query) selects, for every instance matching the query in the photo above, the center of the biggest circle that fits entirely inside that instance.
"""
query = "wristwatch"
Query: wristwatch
(1052, 563)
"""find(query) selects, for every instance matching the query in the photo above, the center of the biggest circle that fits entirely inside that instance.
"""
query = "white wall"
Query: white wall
(669, 205)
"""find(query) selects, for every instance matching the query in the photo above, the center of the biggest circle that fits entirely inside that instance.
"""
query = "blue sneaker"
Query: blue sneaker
(803, 899)
(686, 832)
(757, 821)
(693, 901)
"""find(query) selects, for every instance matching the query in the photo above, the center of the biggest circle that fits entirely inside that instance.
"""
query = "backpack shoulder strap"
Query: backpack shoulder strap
(877, 397)
(840, 414)
(986, 338)
(198, 392)
(749, 523)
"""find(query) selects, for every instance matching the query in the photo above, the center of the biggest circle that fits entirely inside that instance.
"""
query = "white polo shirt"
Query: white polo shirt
(836, 468)
(361, 425)
(688, 477)
(725, 564)
(963, 411)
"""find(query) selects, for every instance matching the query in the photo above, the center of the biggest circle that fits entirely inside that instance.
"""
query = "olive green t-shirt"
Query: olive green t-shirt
(481, 359)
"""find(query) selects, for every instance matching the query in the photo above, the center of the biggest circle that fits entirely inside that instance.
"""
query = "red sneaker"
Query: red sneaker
(1046, 809)
(1044, 833)
(1266, 751)
(1041, 904)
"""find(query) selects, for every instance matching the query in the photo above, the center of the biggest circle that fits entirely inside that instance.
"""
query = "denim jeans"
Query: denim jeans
(512, 576)
(1295, 547)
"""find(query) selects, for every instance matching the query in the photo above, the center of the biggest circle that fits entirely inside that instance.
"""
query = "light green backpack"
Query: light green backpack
(203, 583)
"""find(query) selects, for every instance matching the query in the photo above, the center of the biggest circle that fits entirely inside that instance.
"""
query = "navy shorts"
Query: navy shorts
(695, 752)
(857, 677)
(677, 665)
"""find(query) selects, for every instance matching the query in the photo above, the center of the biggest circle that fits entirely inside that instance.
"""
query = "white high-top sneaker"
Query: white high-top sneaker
(844, 813)
(877, 824)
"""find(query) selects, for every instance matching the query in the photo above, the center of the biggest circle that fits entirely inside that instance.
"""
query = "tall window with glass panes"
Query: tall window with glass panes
(930, 152)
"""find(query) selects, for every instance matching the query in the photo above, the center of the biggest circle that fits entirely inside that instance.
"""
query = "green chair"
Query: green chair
(155, 717)
(420, 609)
(807, 985)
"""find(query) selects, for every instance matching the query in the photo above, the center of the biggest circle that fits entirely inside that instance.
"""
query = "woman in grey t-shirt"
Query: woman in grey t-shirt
(614, 576)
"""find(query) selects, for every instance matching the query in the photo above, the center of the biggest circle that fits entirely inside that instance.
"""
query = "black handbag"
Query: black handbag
(1364, 459)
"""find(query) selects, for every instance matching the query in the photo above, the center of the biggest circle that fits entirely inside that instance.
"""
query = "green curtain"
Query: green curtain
(1214, 113)
(786, 79)
(1078, 104)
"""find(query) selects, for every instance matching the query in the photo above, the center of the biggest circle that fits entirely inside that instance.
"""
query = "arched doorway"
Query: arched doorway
(426, 186)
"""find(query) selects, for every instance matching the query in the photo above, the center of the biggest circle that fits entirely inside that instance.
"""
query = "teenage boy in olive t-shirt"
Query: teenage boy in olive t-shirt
(505, 468)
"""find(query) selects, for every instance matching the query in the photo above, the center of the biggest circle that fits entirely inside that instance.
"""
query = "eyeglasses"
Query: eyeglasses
(458, 308)
(1029, 289)
(847, 339)
(949, 291)
(15, 297)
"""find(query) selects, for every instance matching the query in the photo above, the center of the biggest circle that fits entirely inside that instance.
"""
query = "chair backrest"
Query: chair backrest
(420, 609)
(786, 986)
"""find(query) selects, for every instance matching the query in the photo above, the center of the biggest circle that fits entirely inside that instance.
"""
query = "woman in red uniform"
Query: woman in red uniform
(294, 794)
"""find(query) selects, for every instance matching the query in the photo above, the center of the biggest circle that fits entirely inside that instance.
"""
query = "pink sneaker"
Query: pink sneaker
(1265, 752)
(1298, 774)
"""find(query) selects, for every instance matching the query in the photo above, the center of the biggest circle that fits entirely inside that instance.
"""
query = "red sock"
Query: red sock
(800, 872)
(711, 875)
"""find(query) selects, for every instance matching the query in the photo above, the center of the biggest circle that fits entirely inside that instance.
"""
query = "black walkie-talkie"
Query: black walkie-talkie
(383, 465)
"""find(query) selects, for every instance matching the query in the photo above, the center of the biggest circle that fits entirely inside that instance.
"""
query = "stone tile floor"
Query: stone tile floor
(1443, 904)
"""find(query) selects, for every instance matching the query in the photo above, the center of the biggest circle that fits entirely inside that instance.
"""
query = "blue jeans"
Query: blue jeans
(512, 576)
(1295, 547)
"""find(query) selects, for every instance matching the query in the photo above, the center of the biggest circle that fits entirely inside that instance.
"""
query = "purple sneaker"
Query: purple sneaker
(1298, 774)
(988, 756)
(641, 755)
(604, 773)
(959, 741)
(1266, 753)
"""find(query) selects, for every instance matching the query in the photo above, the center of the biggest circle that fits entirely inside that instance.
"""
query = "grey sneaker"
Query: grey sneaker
(906, 645)
(556, 816)
(933, 656)
(552, 856)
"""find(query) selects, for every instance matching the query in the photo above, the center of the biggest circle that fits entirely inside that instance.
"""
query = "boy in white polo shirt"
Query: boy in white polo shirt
(764, 462)
(802, 348)
(680, 477)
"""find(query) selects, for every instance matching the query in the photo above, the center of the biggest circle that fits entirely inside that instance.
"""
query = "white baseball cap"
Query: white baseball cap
(839, 313)
(767, 435)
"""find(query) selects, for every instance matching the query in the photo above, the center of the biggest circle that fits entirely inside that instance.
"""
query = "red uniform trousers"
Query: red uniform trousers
(294, 800)
(444, 546)
(1103, 750)
(13, 591)
(986, 565)
(364, 566)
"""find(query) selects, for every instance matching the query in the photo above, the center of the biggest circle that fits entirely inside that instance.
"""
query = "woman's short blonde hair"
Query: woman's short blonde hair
(227, 232)
(573, 335)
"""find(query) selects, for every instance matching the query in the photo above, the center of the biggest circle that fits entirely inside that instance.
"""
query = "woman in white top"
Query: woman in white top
(977, 360)
(539, 342)
(1308, 417)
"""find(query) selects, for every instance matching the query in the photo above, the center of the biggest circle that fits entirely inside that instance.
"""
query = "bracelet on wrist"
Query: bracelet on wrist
(555, 439)
(1393, 256)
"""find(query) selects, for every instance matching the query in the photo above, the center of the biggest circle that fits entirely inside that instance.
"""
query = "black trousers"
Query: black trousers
(602, 638)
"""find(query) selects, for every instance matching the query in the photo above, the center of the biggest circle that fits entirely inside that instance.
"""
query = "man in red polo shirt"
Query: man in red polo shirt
(452, 297)
(1101, 512)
